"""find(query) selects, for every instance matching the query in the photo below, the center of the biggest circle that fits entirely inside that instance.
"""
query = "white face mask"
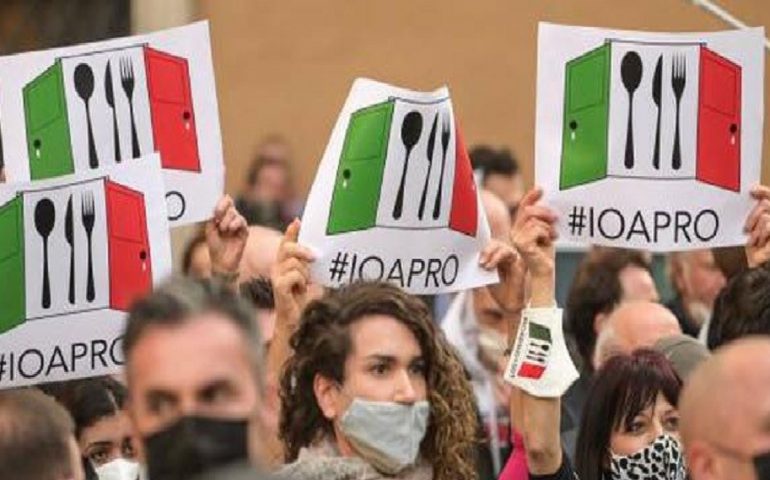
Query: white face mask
(662, 459)
(386, 434)
(118, 469)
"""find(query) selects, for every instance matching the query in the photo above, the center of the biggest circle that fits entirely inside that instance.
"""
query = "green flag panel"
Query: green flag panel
(12, 294)
(359, 173)
(586, 118)
(48, 131)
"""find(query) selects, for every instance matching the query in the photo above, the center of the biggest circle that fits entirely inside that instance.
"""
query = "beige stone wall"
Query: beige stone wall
(286, 66)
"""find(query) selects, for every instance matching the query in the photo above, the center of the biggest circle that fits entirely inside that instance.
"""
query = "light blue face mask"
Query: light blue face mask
(386, 434)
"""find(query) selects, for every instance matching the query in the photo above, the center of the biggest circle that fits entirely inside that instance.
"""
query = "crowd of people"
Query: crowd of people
(243, 368)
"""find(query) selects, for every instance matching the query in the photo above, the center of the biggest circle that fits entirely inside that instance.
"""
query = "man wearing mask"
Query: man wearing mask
(194, 371)
(725, 407)
(194, 366)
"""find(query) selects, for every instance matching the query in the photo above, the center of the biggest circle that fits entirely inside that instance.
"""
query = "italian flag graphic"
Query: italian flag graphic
(538, 347)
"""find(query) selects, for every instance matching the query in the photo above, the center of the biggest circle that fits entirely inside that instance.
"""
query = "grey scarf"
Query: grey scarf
(323, 462)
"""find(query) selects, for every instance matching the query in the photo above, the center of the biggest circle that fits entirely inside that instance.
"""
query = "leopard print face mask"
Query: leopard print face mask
(660, 460)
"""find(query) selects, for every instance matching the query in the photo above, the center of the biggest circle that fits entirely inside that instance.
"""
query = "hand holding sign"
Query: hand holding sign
(291, 277)
(758, 228)
(509, 292)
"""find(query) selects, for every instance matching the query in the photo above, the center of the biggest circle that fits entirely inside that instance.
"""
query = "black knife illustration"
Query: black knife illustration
(657, 89)
(69, 235)
(431, 145)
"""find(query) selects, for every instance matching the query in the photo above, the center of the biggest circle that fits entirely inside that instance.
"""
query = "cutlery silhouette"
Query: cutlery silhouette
(45, 218)
(88, 217)
(631, 75)
(84, 86)
(445, 133)
(678, 78)
(127, 81)
(69, 235)
(431, 145)
(411, 129)
(657, 87)
(109, 93)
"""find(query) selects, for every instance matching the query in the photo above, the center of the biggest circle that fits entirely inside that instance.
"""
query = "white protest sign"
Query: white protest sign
(394, 197)
(649, 140)
(75, 252)
(80, 108)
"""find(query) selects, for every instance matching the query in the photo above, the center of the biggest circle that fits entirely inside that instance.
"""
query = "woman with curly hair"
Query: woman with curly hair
(371, 389)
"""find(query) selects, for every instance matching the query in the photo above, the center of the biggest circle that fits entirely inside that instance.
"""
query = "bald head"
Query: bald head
(634, 325)
(725, 407)
(497, 215)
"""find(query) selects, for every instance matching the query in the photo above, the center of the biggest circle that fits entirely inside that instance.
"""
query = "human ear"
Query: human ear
(327, 396)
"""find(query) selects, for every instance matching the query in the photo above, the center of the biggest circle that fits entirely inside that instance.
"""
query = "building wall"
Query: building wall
(286, 66)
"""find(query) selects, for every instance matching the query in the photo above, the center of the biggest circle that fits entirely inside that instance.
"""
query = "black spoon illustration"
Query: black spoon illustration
(45, 217)
(84, 86)
(431, 145)
(631, 74)
(657, 90)
(411, 129)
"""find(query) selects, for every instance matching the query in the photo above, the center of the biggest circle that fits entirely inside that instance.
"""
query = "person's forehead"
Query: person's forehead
(637, 284)
(112, 428)
(190, 353)
(383, 335)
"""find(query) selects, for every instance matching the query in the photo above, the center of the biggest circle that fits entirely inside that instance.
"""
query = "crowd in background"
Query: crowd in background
(243, 368)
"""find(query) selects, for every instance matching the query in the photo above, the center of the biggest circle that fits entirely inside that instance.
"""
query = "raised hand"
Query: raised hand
(509, 292)
(291, 276)
(533, 234)
(226, 236)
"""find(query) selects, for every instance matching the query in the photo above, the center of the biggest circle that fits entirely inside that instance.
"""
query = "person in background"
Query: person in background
(374, 391)
(500, 174)
(102, 427)
(195, 373)
(261, 247)
(742, 308)
(631, 326)
(268, 199)
(476, 325)
(684, 352)
(605, 279)
(37, 438)
(725, 410)
(697, 280)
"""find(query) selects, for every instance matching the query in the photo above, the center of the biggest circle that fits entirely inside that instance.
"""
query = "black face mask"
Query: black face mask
(194, 445)
(762, 466)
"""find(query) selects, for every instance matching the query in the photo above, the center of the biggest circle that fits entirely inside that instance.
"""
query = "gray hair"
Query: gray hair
(180, 299)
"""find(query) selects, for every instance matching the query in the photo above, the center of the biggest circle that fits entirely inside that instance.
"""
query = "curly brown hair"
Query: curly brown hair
(321, 345)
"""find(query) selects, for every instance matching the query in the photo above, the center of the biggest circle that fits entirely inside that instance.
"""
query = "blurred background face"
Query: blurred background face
(638, 284)
(385, 365)
(654, 421)
(201, 367)
(510, 189)
(698, 280)
(108, 439)
(271, 184)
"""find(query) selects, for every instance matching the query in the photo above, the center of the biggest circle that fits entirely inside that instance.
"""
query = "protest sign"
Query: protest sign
(649, 140)
(394, 197)
(74, 253)
(80, 108)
